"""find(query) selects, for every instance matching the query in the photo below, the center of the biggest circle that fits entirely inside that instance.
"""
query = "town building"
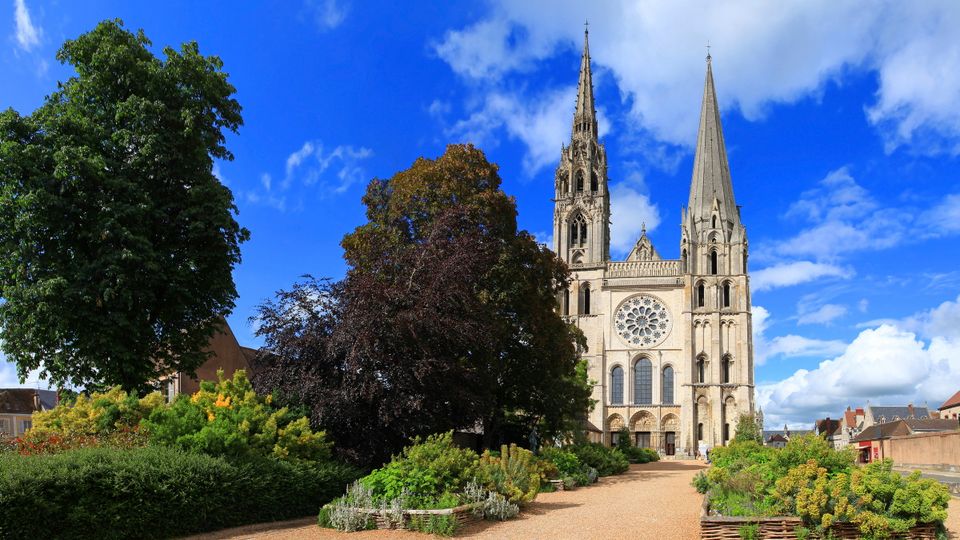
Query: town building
(882, 440)
(878, 415)
(669, 340)
(951, 407)
(17, 406)
(226, 354)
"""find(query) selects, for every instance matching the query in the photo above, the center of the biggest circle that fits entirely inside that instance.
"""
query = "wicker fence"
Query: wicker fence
(784, 528)
(463, 514)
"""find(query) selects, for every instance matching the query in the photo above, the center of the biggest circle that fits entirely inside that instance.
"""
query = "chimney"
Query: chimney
(910, 409)
(36, 400)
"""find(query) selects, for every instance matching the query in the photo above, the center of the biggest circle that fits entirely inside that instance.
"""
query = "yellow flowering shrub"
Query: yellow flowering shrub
(228, 418)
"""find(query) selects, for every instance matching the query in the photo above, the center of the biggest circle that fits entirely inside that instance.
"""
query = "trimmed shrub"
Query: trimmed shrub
(155, 492)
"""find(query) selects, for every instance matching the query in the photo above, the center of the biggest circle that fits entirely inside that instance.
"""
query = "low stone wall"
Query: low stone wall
(928, 451)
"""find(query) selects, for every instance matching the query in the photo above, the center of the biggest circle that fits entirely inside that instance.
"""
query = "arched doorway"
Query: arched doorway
(670, 425)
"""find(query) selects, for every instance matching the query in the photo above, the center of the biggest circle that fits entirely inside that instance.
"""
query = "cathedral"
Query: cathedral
(669, 340)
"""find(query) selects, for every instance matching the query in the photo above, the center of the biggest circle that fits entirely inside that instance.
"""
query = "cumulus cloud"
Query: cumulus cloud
(764, 54)
(896, 362)
(794, 273)
(788, 346)
(327, 14)
(28, 35)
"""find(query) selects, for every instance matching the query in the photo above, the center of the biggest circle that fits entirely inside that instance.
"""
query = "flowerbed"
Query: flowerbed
(435, 487)
(818, 490)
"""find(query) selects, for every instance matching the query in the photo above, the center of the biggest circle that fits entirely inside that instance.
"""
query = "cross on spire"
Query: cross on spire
(708, 50)
(586, 26)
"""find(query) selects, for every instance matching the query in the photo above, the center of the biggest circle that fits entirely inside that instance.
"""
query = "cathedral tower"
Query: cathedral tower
(713, 257)
(581, 221)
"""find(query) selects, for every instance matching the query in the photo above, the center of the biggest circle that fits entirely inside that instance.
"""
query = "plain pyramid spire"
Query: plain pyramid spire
(585, 116)
(711, 181)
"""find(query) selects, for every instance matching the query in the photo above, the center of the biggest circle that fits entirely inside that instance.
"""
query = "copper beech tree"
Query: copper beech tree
(445, 320)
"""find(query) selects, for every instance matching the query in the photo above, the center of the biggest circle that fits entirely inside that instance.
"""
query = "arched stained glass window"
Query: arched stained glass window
(643, 382)
(616, 386)
(667, 386)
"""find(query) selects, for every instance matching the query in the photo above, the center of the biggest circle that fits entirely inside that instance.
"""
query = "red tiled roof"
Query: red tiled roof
(952, 402)
(850, 419)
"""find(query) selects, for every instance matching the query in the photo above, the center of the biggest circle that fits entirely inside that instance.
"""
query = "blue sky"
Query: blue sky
(842, 126)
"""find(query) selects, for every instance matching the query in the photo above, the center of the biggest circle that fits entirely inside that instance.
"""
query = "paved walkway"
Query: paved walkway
(652, 501)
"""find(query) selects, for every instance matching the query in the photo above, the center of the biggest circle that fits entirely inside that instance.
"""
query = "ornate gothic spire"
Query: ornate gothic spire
(711, 172)
(585, 116)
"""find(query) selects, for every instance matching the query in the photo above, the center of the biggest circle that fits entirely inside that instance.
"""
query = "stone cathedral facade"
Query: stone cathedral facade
(670, 343)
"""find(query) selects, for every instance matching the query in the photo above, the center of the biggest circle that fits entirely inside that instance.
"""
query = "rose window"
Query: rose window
(643, 321)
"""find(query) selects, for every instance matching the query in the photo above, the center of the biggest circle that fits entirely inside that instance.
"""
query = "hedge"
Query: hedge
(155, 492)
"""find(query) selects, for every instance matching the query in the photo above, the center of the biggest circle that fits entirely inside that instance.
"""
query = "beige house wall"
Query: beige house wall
(925, 450)
(12, 424)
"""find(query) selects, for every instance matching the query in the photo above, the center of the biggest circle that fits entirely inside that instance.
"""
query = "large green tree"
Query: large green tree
(117, 241)
(446, 319)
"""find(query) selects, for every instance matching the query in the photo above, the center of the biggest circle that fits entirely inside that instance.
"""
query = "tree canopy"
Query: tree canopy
(446, 319)
(117, 241)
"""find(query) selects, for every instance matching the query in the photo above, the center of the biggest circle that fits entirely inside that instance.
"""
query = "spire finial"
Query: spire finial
(643, 227)
(708, 51)
(586, 26)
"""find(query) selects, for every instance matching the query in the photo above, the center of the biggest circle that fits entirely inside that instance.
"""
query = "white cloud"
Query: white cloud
(788, 346)
(327, 14)
(887, 364)
(764, 53)
(844, 217)
(294, 160)
(28, 35)
(630, 211)
(542, 124)
(825, 314)
(942, 219)
(794, 273)
(544, 237)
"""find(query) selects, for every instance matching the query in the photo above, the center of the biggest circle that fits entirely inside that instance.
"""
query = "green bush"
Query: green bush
(567, 462)
(426, 470)
(155, 492)
(606, 461)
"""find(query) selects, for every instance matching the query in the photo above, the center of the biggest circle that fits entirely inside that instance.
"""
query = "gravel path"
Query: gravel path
(652, 501)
